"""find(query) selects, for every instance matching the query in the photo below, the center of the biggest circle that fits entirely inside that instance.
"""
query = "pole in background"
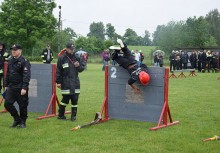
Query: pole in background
(59, 29)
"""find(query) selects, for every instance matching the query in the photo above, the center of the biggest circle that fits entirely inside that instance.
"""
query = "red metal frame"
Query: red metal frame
(54, 99)
(104, 108)
(2, 99)
(192, 73)
(172, 75)
(181, 75)
(163, 120)
(165, 113)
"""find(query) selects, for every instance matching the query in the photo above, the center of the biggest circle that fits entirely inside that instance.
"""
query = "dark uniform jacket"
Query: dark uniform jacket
(215, 61)
(142, 57)
(199, 57)
(3, 57)
(126, 61)
(172, 57)
(192, 58)
(44, 55)
(156, 59)
(185, 58)
(18, 73)
(67, 73)
(203, 57)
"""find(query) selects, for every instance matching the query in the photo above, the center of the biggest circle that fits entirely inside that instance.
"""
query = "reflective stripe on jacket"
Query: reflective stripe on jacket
(67, 73)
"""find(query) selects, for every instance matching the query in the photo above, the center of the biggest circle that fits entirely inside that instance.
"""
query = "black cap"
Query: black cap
(16, 47)
(70, 46)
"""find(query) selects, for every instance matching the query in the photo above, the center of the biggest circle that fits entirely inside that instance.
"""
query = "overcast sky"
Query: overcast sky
(140, 15)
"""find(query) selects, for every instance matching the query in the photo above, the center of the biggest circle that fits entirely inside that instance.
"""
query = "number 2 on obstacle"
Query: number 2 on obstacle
(113, 75)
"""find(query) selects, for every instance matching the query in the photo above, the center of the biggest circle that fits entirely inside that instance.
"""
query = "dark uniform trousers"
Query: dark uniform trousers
(14, 95)
(65, 101)
(172, 65)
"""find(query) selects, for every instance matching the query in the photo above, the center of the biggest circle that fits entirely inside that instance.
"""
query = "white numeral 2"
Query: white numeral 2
(113, 75)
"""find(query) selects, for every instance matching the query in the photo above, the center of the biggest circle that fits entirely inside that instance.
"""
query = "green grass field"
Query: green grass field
(194, 101)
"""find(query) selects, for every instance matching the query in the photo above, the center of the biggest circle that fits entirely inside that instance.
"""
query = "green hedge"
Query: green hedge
(34, 58)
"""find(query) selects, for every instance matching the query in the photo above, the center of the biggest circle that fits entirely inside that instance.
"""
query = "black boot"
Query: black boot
(16, 122)
(23, 124)
(61, 113)
(73, 115)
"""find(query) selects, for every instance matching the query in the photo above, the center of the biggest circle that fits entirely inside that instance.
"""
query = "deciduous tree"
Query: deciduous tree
(213, 18)
(26, 21)
(97, 30)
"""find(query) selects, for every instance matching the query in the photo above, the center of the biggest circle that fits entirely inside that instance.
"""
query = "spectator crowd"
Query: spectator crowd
(200, 60)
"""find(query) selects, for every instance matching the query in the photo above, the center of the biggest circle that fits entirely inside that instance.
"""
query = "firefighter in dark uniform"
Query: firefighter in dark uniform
(142, 55)
(215, 62)
(128, 62)
(199, 62)
(16, 83)
(203, 60)
(193, 59)
(47, 55)
(185, 58)
(172, 60)
(68, 67)
(3, 57)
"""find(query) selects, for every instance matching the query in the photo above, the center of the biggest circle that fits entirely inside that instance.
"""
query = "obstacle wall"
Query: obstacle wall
(123, 103)
(40, 88)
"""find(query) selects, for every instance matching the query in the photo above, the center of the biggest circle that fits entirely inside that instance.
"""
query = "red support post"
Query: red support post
(181, 75)
(54, 89)
(104, 108)
(4, 72)
(106, 92)
(54, 100)
(192, 73)
(163, 120)
(172, 75)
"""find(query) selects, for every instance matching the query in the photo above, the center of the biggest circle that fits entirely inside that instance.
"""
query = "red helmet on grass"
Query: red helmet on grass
(144, 78)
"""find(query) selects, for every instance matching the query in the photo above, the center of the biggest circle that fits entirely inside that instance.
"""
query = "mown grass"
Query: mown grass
(194, 101)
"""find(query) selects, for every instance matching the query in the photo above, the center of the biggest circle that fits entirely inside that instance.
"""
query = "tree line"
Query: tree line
(194, 32)
(33, 25)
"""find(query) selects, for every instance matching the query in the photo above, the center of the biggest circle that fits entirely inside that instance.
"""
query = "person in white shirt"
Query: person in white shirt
(137, 57)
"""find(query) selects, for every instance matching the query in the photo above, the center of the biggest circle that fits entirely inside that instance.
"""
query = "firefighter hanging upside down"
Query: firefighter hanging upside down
(128, 62)
(68, 67)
